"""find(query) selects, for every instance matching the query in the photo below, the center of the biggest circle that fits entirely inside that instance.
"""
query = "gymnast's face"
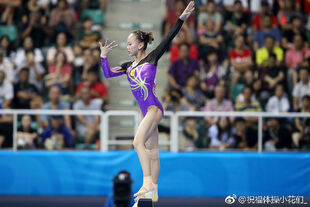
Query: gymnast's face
(133, 45)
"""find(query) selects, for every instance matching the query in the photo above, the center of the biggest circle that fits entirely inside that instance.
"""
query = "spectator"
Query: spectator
(88, 64)
(279, 102)
(62, 19)
(174, 101)
(89, 38)
(7, 47)
(286, 13)
(209, 39)
(60, 73)
(61, 45)
(240, 59)
(55, 103)
(276, 136)
(191, 92)
(245, 136)
(258, 18)
(87, 126)
(98, 90)
(212, 74)
(89, 4)
(10, 8)
(21, 53)
(229, 5)
(6, 66)
(237, 20)
(181, 69)
(193, 135)
(301, 137)
(297, 29)
(26, 134)
(302, 88)
(36, 70)
(221, 134)
(57, 135)
(78, 56)
(210, 14)
(26, 94)
(6, 121)
(183, 36)
(272, 74)
(267, 30)
(294, 57)
(248, 104)
(263, 53)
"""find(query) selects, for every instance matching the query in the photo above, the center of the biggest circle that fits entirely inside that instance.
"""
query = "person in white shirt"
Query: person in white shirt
(302, 88)
(6, 66)
(279, 102)
(6, 91)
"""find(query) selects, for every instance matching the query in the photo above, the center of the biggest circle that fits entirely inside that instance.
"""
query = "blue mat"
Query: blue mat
(195, 174)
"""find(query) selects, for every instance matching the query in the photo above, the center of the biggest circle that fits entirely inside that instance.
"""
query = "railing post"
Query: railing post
(15, 131)
(174, 144)
(104, 135)
(260, 133)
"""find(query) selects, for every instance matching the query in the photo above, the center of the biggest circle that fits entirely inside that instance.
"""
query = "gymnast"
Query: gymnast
(141, 76)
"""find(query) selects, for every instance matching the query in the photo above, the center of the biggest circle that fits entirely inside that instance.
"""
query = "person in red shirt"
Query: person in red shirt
(241, 60)
(97, 88)
(257, 19)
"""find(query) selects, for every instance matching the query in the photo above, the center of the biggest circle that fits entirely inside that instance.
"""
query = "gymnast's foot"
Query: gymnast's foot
(147, 192)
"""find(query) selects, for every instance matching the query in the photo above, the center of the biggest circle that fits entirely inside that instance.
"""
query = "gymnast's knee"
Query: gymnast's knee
(137, 143)
(153, 153)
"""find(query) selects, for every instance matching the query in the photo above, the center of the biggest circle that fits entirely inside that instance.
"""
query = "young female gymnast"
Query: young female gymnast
(141, 76)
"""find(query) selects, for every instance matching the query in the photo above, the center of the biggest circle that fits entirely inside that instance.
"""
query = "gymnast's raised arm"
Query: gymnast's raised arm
(108, 72)
(156, 54)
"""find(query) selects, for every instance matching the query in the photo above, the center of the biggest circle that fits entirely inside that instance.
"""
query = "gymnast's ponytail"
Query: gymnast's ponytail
(146, 37)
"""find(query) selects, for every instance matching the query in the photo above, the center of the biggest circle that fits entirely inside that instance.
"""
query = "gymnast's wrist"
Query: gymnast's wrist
(103, 56)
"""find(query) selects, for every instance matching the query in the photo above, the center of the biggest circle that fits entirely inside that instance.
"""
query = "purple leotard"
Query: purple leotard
(142, 77)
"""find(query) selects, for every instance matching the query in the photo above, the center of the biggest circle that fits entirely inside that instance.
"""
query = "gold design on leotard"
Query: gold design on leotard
(136, 77)
(116, 69)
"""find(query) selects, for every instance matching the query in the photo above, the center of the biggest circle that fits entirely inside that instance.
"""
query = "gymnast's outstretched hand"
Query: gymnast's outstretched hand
(188, 10)
(106, 48)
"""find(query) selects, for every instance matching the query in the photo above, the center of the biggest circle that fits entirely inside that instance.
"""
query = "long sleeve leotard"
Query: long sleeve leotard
(142, 76)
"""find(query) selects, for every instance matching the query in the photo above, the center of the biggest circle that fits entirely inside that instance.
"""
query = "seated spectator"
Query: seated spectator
(87, 127)
(36, 70)
(174, 101)
(286, 13)
(9, 11)
(245, 136)
(26, 135)
(6, 121)
(301, 137)
(6, 66)
(294, 57)
(302, 88)
(89, 4)
(209, 39)
(62, 19)
(61, 45)
(248, 104)
(26, 94)
(210, 14)
(57, 104)
(183, 36)
(272, 74)
(98, 90)
(263, 53)
(78, 56)
(7, 47)
(240, 59)
(60, 73)
(258, 18)
(276, 136)
(267, 30)
(297, 29)
(89, 63)
(237, 20)
(88, 37)
(183, 68)
(20, 58)
(191, 92)
(279, 102)
(221, 134)
(193, 135)
(229, 5)
(57, 135)
(261, 94)
(212, 74)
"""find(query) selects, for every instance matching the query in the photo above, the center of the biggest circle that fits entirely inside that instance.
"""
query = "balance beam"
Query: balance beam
(145, 202)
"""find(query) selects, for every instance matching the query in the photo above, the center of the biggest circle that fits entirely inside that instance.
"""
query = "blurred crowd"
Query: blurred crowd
(231, 55)
(245, 56)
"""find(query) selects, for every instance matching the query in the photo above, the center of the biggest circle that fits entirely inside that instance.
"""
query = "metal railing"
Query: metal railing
(174, 122)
